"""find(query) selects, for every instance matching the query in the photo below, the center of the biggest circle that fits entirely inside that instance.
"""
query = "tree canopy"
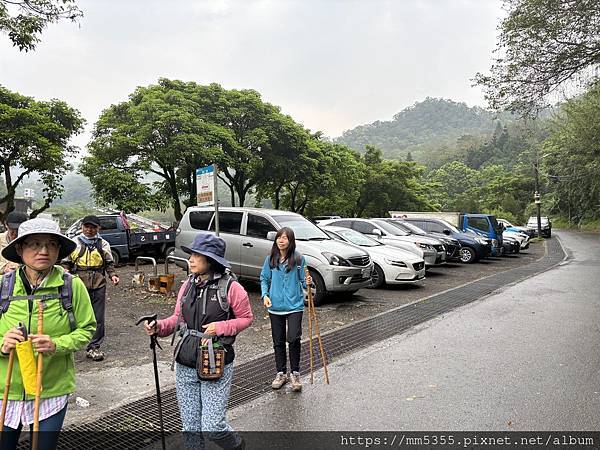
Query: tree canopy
(34, 139)
(543, 45)
(24, 20)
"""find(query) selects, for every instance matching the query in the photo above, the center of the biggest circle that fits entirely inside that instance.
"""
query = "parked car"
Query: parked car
(392, 265)
(510, 245)
(472, 247)
(510, 227)
(523, 238)
(317, 219)
(484, 225)
(451, 244)
(334, 266)
(545, 224)
(389, 234)
(127, 242)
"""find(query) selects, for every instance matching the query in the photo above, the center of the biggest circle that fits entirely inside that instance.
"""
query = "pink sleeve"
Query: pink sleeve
(240, 306)
(165, 327)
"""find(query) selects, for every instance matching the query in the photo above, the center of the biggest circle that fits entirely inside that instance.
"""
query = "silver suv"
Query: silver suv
(334, 266)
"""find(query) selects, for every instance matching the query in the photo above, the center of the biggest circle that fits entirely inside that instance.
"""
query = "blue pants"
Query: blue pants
(48, 438)
(203, 408)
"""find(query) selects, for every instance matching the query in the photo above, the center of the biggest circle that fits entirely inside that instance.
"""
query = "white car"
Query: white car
(522, 238)
(392, 265)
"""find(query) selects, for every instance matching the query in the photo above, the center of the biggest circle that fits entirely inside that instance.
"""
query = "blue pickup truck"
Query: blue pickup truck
(127, 242)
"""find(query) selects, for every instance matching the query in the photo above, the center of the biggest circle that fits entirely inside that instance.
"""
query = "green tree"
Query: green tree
(145, 151)
(543, 44)
(572, 167)
(24, 20)
(34, 139)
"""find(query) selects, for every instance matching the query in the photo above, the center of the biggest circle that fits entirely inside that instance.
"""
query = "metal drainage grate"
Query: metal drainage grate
(135, 425)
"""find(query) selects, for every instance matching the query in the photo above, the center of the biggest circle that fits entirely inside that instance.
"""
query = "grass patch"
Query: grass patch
(585, 225)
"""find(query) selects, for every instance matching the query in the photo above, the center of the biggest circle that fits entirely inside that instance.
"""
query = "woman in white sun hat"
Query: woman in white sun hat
(68, 324)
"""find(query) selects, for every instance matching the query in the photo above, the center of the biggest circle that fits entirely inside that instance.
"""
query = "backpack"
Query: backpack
(83, 250)
(222, 288)
(65, 294)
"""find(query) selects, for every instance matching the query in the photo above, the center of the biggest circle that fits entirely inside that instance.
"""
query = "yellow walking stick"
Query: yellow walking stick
(38, 384)
(11, 361)
(312, 317)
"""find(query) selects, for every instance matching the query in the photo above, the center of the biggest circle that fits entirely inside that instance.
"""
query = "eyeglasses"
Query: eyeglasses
(37, 246)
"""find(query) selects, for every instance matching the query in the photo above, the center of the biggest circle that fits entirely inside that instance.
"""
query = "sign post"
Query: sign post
(206, 190)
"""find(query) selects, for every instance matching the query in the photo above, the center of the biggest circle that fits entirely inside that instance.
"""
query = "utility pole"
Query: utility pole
(536, 198)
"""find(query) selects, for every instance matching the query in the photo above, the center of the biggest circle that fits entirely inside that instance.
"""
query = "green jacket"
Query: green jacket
(58, 369)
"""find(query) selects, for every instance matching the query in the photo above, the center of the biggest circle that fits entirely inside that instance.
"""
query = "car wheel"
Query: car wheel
(317, 288)
(467, 255)
(115, 257)
(377, 277)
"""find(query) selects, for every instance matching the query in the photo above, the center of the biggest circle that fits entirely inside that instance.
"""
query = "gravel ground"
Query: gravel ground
(126, 373)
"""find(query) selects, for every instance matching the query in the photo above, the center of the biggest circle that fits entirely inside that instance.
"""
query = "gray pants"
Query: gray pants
(203, 408)
(98, 298)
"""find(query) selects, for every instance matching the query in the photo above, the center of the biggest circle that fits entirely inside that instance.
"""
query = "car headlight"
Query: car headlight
(394, 262)
(424, 246)
(481, 241)
(334, 259)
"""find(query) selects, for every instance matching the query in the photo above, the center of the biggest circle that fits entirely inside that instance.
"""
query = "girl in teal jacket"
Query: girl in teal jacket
(282, 280)
(38, 247)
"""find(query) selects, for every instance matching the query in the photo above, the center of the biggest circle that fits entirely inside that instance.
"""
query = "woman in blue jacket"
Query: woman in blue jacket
(282, 279)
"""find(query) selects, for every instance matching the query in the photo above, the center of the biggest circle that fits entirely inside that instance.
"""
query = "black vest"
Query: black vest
(200, 306)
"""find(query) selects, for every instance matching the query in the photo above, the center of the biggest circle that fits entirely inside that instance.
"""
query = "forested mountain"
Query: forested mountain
(426, 126)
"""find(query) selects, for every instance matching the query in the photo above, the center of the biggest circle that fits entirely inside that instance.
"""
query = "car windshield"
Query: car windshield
(357, 238)
(389, 228)
(303, 228)
(411, 227)
(450, 226)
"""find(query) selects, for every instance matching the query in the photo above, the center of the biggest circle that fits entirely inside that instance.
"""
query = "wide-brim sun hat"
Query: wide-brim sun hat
(210, 246)
(38, 226)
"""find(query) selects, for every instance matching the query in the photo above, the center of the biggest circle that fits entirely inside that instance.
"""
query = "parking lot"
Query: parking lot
(126, 373)
(126, 303)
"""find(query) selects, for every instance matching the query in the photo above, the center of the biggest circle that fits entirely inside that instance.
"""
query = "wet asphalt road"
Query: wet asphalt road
(527, 358)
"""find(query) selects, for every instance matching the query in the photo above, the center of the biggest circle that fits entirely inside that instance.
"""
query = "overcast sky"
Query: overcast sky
(330, 64)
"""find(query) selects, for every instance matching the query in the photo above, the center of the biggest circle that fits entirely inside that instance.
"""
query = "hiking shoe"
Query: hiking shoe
(95, 354)
(296, 385)
(279, 380)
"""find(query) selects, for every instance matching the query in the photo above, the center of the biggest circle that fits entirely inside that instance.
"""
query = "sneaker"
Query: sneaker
(296, 385)
(279, 380)
(95, 354)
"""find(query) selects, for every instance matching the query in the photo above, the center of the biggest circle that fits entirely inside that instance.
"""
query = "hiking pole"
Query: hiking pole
(153, 344)
(311, 307)
(38, 383)
(11, 361)
(310, 332)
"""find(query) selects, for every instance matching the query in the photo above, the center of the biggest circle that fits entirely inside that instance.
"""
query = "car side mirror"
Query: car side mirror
(377, 232)
(271, 235)
(446, 231)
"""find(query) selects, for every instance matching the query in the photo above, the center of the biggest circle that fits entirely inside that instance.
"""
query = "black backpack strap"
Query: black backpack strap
(8, 285)
(223, 286)
(66, 298)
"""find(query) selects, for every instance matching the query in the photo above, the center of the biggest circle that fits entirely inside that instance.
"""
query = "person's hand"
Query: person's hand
(210, 329)
(11, 338)
(308, 280)
(267, 301)
(114, 279)
(42, 343)
(150, 328)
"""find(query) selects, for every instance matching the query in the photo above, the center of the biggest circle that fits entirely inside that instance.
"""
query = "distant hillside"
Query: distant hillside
(427, 125)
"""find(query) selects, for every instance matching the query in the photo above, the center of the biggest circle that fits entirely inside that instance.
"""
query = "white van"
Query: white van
(334, 266)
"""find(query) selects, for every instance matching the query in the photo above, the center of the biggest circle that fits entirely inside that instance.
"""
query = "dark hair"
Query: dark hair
(291, 258)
